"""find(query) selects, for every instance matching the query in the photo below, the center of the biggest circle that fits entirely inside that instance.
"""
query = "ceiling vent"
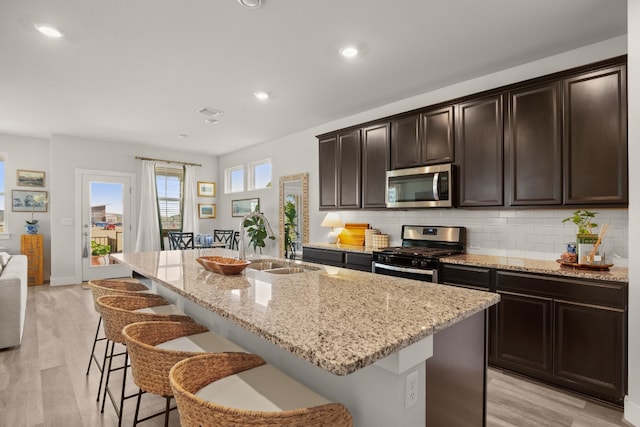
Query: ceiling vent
(211, 112)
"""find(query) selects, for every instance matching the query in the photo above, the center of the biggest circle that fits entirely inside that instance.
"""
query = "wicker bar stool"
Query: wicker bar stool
(239, 389)
(154, 347)
(117, 312)
(103, 287)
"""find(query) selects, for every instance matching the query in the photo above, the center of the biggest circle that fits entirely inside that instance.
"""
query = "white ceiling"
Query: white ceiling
(137, 70)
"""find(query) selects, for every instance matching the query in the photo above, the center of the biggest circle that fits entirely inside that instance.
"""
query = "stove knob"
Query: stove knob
(424, 264)
(414, 262)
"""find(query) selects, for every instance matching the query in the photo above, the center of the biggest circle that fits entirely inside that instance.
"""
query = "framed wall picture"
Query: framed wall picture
(26, 178)
(244, 206)
(206, 210)
(206, 189)
(28, 201)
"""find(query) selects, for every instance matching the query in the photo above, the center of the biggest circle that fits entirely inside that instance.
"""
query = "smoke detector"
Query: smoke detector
(252, 4)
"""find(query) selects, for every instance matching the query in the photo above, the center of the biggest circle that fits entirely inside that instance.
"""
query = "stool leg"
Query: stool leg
(104, 365)
(135, 418)
(124, 383)
(106, 381)
(95, 341)
(167, 408)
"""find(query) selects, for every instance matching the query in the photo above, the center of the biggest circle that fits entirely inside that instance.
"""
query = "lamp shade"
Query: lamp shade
(332, 220)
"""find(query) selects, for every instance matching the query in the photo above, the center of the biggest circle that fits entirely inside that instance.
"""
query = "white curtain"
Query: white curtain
(148, 238)
(190, 201)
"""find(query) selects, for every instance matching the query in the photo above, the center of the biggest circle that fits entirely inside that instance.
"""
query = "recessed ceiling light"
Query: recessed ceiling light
(253, 4)
(262, 96)
(348, 51)
(49, 30)
(211, 121)
(210, 112)
(183, 136)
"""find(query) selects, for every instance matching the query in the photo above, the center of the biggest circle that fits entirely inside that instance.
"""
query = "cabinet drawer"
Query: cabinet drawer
(608, 294)
(358, 261)
(322, 256)
(472, 277)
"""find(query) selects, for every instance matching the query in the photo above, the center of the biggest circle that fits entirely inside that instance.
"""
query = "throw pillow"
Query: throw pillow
(4, 259)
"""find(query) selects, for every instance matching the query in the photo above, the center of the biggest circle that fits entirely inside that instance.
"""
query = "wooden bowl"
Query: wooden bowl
(222, 265)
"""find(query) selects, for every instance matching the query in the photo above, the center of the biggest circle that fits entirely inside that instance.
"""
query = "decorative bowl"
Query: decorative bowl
(222, 265)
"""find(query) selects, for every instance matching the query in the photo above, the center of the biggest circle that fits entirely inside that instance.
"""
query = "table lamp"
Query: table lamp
(332, 220)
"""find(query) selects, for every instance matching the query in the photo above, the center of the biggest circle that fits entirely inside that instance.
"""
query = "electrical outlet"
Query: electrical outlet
(411, 390)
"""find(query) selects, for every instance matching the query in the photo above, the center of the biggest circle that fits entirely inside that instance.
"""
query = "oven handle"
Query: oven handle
(377, 265)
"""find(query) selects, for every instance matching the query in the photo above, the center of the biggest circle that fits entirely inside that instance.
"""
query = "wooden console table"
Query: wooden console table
(32, 247)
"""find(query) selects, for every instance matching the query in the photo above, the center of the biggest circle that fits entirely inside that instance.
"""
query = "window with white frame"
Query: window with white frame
(260, 174)
(2, 190)
(234, 179)
(169, 184)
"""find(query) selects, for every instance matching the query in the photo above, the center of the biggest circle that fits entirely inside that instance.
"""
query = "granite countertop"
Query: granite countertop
(340, 247)
(337, 319)
(615, 274)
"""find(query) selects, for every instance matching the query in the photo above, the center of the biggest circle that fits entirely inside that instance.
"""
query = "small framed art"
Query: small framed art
(26, 178)
(244, 206)
(206, 189)
(206, 210)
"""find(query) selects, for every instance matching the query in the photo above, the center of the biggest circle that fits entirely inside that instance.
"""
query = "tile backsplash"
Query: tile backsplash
(522, 233)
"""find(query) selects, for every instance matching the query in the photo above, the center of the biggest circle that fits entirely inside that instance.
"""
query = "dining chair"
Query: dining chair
(223, 236)
(235, 241)
(180, 240)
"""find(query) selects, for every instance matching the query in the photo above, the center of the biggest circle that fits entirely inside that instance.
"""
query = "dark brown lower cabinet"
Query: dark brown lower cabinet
(524, 332)
(345, 259)
(589, 348)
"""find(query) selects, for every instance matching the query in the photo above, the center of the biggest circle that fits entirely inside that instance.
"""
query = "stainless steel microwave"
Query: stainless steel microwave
(422, 187)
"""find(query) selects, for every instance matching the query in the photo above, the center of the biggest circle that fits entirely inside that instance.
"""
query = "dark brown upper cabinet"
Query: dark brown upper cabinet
(595, 137)
(349, 175)
(437, 130)
(479, 139)
(328, 156)
(533, 146)
(375, 164)
(422, 139)
(405, 142)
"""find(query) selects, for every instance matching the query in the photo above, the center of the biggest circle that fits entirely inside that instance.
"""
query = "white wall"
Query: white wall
(632, 403)
(531, 233)
(29, 154)
(70, 153)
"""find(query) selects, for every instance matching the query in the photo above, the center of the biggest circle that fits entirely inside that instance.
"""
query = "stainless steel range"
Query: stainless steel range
(422, 247)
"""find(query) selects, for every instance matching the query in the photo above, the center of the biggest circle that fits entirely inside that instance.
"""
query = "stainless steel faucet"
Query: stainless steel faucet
(242, 231)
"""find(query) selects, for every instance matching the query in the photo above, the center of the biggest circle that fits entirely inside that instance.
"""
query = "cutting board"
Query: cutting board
(353, 234)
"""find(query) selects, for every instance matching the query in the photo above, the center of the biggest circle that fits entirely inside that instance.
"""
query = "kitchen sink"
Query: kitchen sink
(266, 265)
(287, 270)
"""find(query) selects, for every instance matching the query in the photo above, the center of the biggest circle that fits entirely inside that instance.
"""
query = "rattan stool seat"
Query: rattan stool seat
(248, 392)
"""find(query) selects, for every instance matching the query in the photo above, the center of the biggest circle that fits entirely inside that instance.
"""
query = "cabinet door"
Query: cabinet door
(595, 137)
(479, 135)
(590, 349)
(349, 156)
(328, 157)
(437, 136)
(533, 146)
(375, 164)
(524, 333)
(405, 142)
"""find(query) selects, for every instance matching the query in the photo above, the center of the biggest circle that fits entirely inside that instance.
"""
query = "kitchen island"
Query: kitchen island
(360, 339)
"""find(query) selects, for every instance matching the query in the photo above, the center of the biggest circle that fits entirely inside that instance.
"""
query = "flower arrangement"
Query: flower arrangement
(35, 201)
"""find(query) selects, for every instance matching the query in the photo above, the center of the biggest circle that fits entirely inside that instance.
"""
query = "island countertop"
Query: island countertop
(337, 319)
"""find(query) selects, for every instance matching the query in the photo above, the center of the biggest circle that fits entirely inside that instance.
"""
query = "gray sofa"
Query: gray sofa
(13, 299)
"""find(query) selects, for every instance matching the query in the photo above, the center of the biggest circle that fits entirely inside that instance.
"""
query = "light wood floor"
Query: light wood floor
(43, 382)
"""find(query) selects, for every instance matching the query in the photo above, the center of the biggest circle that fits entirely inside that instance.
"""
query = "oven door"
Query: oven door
(405, 272)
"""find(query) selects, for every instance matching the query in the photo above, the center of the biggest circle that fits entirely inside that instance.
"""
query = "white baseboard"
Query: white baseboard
(631, 411)
(61, 281)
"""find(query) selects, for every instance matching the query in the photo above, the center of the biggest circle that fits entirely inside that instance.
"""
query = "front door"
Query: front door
(106, 223)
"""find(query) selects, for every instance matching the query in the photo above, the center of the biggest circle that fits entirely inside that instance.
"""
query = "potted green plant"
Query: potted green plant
(256, 231)
(585, 237)
(99, 252)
